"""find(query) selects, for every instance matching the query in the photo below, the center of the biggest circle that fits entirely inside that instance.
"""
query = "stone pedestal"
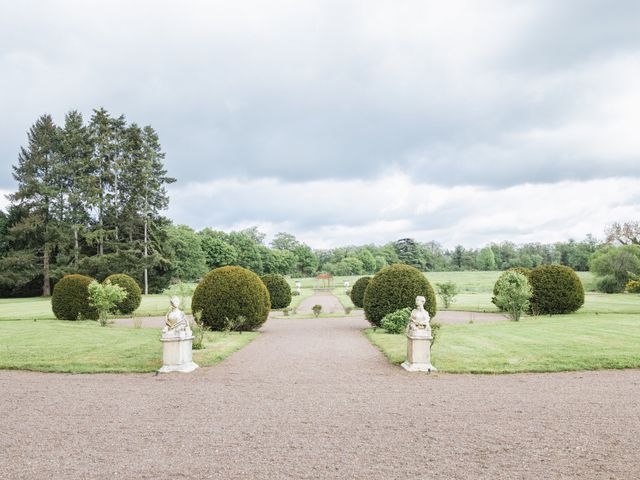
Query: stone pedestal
(418, 353)
(176, 354)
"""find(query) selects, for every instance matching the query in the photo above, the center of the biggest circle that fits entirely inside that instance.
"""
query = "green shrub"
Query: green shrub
(396, 287)
(514, 293)
(396, 322)
(357, 291)
(295, 293)
(104, 297)
(521, 270)
(556, 289)
(447, 292)
(609, 284)
(279, 290)
(134, 295)
(633, 286)
(70, 298)
(229, 293)
(316, 309)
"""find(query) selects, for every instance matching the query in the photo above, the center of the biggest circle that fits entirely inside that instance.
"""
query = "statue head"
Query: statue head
(175, 301)
(420, 301)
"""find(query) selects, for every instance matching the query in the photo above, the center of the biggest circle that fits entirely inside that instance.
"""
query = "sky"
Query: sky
(353, 122)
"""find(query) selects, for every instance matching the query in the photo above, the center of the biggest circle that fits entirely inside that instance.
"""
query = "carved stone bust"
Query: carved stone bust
(419, 321)
(176, 323)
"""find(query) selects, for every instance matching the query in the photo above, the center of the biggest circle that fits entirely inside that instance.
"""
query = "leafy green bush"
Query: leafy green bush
(229, 293)
(279, 290)
(521, 270)
(633, 286)
(514, 293)
(609, 284)
(71, 298)
(396, 287)
(104, 297)
(447, 292)
(396, 322)
(295, 293)
(134, 295)
(316, 310)
(556, 289)
(357, 291)
(622, 263)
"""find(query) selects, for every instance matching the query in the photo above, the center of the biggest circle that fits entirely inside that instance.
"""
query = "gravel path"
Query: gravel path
(329, 302)
(313, 399)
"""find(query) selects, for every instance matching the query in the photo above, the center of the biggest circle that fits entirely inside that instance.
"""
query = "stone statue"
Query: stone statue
(176, 324)
(177, 341)
(418, 334)
(419, 321)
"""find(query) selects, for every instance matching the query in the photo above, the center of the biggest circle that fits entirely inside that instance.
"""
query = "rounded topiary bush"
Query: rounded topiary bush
(71, 298)
(227, 293)
(279, 290)
(134, 295)
(522, 270)
(357, 291)
(556, 289)
(396, 287)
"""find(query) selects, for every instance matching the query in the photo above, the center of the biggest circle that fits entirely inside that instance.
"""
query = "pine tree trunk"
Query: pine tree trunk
(46, 285)
(76, 247)
(146, 254)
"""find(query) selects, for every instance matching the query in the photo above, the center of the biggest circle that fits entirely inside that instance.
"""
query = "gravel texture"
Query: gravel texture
(329, 302)
(313, 399)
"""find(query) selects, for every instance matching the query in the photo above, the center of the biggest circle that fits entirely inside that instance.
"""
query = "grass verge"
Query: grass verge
(85, 347)
(579, 341)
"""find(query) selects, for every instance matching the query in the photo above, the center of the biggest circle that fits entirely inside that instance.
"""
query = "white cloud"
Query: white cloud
(4, 202)
(332, 213)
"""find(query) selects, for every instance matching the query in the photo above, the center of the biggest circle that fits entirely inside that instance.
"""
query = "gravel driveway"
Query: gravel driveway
(313, 399)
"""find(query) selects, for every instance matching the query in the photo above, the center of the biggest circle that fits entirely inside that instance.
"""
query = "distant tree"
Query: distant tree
(409, 253)
(486, 260)
(285, 241)
(247, 249)
(462, 259)
(627, 233)
(619, 263)
(218, 253)
(381, 262)
(368, 261)
(306, 260)
(187, 258)
(256, 235)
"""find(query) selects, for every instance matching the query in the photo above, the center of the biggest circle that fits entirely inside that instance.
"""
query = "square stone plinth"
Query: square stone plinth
(418, 354)
(176, 355)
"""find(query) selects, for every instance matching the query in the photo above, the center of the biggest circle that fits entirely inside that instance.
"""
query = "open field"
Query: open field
(85, 347)
(536, 344)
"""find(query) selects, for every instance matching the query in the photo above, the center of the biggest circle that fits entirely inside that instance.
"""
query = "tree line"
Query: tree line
(90, 199)
(89, 196)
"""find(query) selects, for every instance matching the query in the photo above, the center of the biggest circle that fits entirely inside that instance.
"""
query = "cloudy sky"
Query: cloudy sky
(353, 121)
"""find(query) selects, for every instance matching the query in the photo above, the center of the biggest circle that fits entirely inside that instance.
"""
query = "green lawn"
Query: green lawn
(85, 347)
(580, 341)
(39, 308)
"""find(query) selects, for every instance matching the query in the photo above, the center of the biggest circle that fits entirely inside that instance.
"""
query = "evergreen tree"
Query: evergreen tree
(40, 195)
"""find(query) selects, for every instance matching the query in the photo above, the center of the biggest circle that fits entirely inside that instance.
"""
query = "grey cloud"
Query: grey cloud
(331, 90)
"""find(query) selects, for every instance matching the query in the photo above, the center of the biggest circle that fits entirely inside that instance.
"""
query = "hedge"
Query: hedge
(396, 287)
(71, 298)
(227, 293)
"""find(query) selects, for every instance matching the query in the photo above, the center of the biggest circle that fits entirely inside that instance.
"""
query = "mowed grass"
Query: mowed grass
(536, 344)
(85, 347)
(39, 308)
